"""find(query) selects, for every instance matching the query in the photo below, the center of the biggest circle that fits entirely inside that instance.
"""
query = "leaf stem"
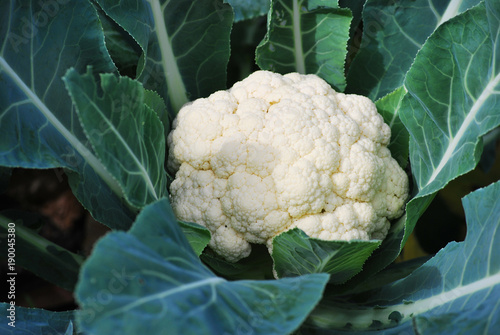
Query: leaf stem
(176, 88)
(297, 37)
(361, 317)
(451, 11)
(450, 150)
(89, 157)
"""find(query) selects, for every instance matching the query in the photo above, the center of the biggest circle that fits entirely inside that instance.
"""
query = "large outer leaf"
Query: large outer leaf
(456, 292)
(154, 276)
(452, 101)
(393, 32)
(453, 97)
(35, 321)
(125, 133)
(306, 38)
(295, 254)
(38, 43)
(185, 44)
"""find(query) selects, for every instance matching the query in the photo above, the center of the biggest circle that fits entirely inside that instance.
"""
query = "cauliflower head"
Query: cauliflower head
(276, 152)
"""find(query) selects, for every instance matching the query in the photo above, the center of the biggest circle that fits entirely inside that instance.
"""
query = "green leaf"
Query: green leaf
(248, 9)
(453, 97)
(259, 265)
(38, 43)
(126, 54)
(122, 48)
(389, 107)
(38, 255)
(157, 278)
(459, 286)
(198, 236)
(107, 205)
(452, 101)
(394, 242)
(156, 103)
(185, 45)
(36, 321)
(295, 254)
(306, 38)
(356, 7)
(124, 131)
(390, 274)
(245, 36)
(393, 33)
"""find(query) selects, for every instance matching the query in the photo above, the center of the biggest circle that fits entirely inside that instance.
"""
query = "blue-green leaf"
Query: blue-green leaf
(35, 321)
(453, 97)
(306, 37)
(155, 277)
(40, 129)
(452, 101)
(185, 45)
(122, 48)
(393, 33)
(295, 254)
(460, 286)
(395, 240)
(124, 131)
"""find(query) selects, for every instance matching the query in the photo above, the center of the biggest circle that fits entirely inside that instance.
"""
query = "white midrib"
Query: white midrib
(297, 37)
(423, 305)
(89, 157)
(212, 281)
(396, 110)
(412, 308)
(144, 173)
(451, 11)
(176, 88)
(463, 128)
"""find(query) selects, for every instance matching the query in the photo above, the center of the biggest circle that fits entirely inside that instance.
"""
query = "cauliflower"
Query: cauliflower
(277, 152)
